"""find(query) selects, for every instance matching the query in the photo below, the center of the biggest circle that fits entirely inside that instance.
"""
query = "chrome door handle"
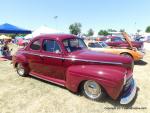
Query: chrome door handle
(41, 56)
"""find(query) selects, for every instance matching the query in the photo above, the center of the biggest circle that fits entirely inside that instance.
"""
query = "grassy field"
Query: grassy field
(30, 95)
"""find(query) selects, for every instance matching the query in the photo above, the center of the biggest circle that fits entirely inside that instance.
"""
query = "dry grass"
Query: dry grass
(30, 95)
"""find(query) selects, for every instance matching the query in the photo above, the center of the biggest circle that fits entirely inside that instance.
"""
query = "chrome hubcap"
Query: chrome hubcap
(20, 69)
(92, 89)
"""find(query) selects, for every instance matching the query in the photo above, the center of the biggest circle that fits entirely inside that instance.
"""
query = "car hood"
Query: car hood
(99, 57)
(128, 39)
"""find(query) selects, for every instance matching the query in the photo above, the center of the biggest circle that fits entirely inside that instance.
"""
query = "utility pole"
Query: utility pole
(55, 18)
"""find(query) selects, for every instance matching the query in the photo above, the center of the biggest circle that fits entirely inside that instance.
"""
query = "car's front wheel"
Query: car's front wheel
(21, 70)
(92, 90)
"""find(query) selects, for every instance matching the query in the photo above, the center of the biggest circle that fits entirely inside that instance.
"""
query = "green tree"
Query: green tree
(11, 35)
(75, 28)
(14, 35)
(138, 30)
(147, 29)
(112, 30)
(90, 32)
(122, 30)
(84, 34)
(103, 32)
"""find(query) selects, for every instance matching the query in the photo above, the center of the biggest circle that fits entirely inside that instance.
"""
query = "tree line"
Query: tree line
(76, 29)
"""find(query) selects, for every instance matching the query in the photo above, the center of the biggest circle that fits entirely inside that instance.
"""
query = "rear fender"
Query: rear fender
(21, 59)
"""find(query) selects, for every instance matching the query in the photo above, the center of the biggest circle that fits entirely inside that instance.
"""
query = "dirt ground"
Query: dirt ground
(30, 95)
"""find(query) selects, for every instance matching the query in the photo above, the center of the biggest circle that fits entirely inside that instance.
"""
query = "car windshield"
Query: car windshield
(115, 39)
(95, 45)
(74, 44)
(103, 44)
(118, 39)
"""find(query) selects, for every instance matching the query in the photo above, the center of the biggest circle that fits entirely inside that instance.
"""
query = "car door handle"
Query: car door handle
(41, 56)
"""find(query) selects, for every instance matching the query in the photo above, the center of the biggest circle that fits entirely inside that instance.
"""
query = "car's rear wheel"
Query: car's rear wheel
(92, 90)
(21, 70)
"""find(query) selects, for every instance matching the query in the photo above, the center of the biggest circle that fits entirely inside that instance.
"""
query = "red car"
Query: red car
(116, 41)
(65, 60)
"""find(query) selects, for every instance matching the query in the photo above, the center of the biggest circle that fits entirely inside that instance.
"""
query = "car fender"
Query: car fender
(21, 59)
(127, 52)
(109, 78)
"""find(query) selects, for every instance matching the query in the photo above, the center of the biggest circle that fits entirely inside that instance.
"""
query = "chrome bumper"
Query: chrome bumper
(129, 94)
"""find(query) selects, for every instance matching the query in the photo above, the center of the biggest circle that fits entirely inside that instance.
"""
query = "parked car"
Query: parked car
(65, 60)
(116, 41)
(139, 39)
(103, 47)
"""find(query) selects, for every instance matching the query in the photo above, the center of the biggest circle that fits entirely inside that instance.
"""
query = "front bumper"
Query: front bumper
(129, 93)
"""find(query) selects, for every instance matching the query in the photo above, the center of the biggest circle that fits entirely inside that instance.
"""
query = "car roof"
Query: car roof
(56, 36)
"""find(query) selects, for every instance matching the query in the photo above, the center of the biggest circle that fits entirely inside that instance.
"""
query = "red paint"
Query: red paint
(112, 42)
(70, 69)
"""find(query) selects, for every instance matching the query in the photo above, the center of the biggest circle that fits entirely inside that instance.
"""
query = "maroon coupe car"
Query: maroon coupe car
(116, 41)
(65, 60)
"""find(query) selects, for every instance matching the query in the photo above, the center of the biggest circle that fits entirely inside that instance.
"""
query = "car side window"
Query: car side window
(35, 45)
(91, 45)
(51, 46)
(117, 39)
(108, 40)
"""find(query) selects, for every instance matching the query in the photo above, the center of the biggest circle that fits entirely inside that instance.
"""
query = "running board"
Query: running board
(48, 79)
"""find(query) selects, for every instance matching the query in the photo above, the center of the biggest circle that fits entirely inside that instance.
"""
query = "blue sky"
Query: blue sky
(96, 14)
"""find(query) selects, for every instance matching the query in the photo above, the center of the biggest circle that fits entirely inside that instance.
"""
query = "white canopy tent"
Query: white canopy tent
(41, 30)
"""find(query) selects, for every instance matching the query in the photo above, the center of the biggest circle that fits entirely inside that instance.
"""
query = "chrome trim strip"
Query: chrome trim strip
(47, 80)
(76, 59)
(94, 61)
(45, 55)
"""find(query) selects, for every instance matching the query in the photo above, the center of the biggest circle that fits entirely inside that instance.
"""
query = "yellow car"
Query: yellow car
(103, 47)
(126, 51)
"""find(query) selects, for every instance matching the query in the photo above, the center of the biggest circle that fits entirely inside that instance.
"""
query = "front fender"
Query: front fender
(109, 77)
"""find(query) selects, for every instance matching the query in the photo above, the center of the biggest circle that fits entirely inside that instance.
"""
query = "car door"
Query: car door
(33, 55)
(52, 59)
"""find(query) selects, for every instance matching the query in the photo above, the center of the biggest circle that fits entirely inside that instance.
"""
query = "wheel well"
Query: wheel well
(16, 65)
(126, 53)
(80, 86)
